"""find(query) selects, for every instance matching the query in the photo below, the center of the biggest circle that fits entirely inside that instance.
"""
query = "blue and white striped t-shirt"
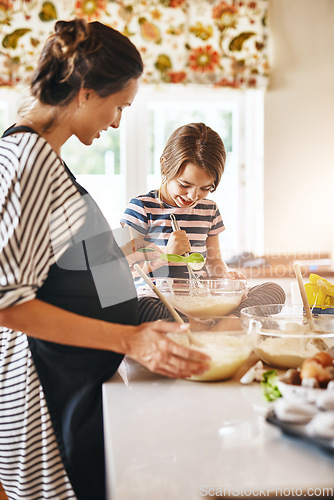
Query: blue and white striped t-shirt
(150, 216)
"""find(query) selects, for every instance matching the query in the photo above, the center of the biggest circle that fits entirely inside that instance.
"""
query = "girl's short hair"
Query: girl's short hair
(88, 55)
(194, 143)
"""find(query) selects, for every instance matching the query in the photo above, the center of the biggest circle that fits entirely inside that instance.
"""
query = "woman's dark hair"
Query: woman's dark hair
(88, 55)
(194, 143)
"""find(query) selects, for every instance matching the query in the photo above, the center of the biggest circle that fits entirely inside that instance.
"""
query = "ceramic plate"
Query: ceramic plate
(299, 430)
(298, 392)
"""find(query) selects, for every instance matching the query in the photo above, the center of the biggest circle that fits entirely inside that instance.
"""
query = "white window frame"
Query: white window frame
(249, 147)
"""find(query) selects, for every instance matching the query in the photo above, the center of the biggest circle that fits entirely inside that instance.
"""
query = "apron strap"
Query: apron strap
(13, 129)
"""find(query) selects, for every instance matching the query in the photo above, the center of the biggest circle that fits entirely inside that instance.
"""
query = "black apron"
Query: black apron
(72, 377)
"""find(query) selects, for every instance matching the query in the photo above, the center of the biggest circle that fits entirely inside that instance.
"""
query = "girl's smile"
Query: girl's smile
(191, 185)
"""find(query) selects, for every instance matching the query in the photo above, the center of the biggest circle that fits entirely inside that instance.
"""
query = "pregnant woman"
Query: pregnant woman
(68, 306)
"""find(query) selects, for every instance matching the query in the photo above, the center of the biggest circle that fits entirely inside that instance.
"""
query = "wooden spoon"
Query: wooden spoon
(319, 343)
(169, 306)
(304, 297)
(161, 296)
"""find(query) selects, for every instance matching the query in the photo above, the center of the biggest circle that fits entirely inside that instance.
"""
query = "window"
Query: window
(98, 168)
(126, 162)
(155, 113)
(3, 115)
(166, 114)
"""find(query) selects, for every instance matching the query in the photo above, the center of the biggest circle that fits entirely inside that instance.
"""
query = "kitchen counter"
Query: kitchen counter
(282, 266)
(169, 439)
(277, 271)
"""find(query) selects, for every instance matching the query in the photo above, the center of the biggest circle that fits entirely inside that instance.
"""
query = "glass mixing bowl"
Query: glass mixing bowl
(228, 350)
(283, 335)
(203, 298)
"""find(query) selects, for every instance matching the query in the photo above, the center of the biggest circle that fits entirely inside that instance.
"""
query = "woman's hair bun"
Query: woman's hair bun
(69, 44)
(63, 63)
(68, 37)
(84, 55)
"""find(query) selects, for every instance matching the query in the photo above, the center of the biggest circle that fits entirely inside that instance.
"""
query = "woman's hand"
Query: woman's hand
(133, 254)
(148, 344)
(178, 243)
(148, 260)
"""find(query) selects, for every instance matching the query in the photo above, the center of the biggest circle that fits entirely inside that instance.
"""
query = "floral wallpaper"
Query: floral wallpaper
(212, 42)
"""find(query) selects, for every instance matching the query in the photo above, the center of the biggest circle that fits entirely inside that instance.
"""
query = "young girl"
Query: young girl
(192, 164)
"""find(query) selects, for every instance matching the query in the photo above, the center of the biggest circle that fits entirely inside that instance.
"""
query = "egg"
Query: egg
(311, 368)
(323, 358)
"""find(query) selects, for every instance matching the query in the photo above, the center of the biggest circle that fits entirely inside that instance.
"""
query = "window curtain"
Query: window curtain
(217, 43)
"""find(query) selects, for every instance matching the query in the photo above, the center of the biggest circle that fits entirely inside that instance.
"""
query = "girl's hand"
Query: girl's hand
(178, 243)
(148, 345)
(237, 275)
(234, 275)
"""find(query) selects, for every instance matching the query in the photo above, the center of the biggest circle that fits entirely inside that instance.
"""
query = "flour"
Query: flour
(285, 352)
(227, 352)
(205, 307)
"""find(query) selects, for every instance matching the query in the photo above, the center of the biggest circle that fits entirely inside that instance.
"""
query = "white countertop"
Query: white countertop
(172, 439)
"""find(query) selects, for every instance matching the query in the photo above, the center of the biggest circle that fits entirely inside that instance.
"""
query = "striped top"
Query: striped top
(150, 216)
(35, 189)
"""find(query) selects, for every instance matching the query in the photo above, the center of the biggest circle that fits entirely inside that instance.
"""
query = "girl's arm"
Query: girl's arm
(215, 265)
(145, 343)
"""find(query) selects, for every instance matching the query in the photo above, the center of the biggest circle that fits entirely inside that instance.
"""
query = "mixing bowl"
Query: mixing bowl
(203, 298)
(283, 336)
(228, 351)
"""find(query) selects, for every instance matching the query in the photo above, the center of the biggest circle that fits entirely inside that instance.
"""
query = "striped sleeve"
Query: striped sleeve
(135, 216)
(33, 184)
(217, 225)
